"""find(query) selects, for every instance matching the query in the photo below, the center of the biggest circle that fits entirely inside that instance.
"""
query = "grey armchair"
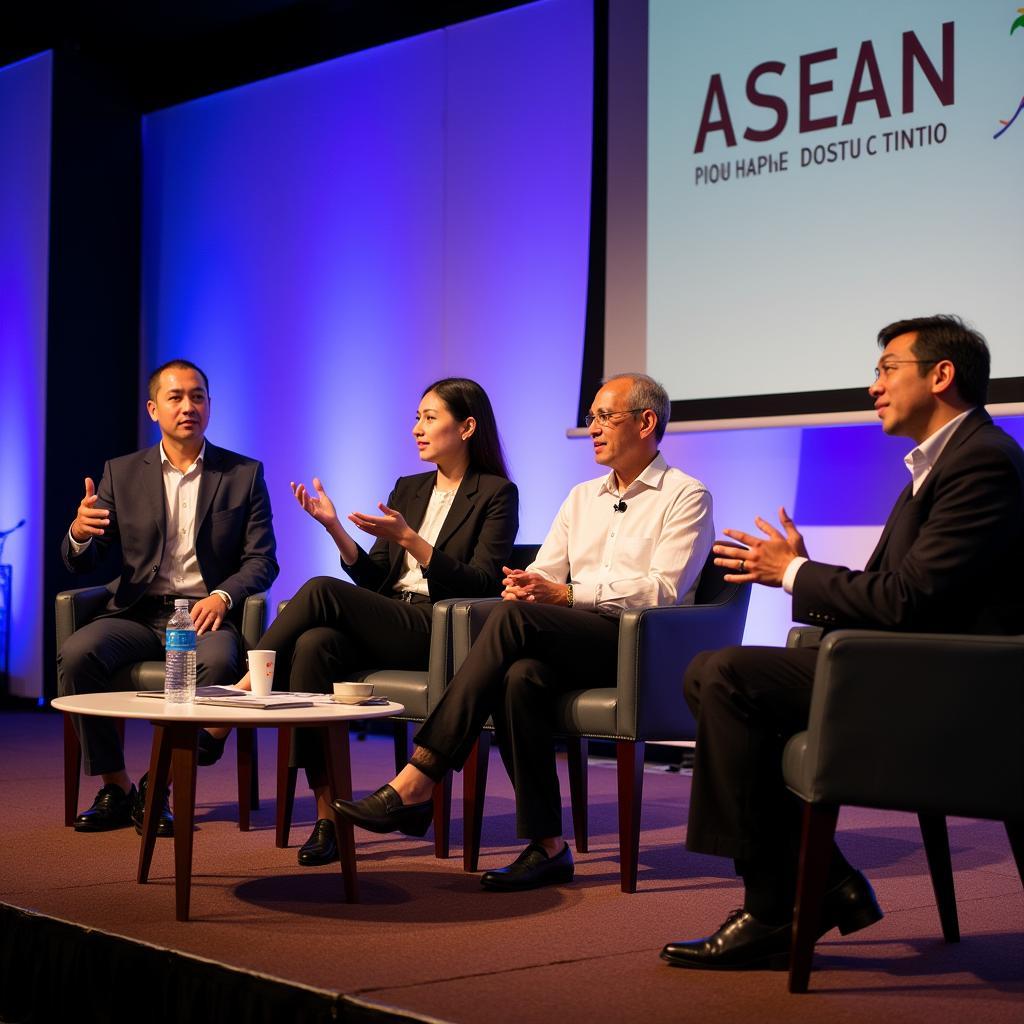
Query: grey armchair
(418, 691)
(886, 710)
(75, 608)
(655, 645)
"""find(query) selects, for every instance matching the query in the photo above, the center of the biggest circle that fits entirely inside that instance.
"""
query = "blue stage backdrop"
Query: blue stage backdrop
(25, 90)
(328, 242)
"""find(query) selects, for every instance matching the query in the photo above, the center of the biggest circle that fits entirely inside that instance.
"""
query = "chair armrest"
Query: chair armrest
(439, 668)
(804, 636)
(917, 721)
(75, 608)
(655, 646)
(468, 616)
(254, 620)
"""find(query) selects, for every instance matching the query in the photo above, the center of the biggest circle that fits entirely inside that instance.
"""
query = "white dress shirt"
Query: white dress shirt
(650, 554)
(412, 578)
(919, 463)
(179, 567)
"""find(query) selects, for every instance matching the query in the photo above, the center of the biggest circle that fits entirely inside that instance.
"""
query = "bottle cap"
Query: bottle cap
(181, 602)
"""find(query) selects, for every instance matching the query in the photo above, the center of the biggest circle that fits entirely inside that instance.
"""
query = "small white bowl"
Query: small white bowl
(352, 693)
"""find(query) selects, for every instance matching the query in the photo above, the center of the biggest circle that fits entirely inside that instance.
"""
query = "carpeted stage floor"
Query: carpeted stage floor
(427, 943)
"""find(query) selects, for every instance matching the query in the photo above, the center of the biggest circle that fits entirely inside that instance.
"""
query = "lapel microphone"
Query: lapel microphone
(620, 506)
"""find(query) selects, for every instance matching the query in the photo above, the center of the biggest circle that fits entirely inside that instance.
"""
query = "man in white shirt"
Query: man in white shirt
(940, 566)
(191, 520)
(637, 536)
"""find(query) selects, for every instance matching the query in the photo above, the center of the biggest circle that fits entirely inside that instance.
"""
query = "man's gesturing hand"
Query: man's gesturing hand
(90, 521)
(761, 561)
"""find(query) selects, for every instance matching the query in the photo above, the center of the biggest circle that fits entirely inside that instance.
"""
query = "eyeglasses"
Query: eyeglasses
(890, 365)
(605, 418)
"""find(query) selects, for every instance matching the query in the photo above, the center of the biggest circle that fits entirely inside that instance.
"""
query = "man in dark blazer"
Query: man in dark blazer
(191, 520)
(940, 566)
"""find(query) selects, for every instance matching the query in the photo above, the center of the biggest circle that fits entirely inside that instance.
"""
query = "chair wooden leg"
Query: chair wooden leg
(246, 771)
(630, 757)
(815, 855)
(576, 749)
(285, 785)
(1015, 832)
(72, 771)
(403, 744)
(73, 767)
(443, 817)
(474, 787)
(940, 867)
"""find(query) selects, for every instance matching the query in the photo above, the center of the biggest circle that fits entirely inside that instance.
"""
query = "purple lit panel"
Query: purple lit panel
(25, 91)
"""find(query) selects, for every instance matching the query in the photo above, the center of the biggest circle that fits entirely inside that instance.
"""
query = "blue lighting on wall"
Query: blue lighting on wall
(25, 98)
(326, 243)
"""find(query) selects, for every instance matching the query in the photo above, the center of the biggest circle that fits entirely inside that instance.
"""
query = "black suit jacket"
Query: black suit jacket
(947, 557)
(474, 543)
(235, 544)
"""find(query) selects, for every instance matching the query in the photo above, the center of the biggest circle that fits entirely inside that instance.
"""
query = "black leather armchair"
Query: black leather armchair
(76, 608)
(655, 646)
(886, 711)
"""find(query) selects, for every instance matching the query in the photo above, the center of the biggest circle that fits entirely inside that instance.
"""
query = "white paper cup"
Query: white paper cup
(261, 671)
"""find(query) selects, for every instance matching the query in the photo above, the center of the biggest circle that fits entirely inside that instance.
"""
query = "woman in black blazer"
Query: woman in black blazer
(465, 516)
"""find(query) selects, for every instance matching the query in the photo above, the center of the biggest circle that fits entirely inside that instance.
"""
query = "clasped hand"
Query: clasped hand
(531, 586)
(761, 560)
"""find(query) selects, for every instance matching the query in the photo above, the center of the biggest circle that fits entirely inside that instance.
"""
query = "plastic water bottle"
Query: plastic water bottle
(180, 656)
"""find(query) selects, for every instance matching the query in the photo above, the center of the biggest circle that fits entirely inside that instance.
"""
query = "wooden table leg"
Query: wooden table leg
(285, 785)
(159, 764)
(183, 772)
(339, 774)
(72, 770)
(244, 740)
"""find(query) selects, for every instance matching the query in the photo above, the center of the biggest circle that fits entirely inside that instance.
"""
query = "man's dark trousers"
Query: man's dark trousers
(525, 657)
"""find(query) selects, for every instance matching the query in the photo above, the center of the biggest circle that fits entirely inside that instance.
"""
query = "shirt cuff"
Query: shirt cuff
(789, 576)
(76, 547)
(584, 595)
(226, 596)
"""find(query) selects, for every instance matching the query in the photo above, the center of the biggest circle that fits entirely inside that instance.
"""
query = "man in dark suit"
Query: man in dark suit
(940, 566)
(192, 520)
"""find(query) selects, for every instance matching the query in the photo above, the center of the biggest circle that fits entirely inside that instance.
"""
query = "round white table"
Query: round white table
(173, 759)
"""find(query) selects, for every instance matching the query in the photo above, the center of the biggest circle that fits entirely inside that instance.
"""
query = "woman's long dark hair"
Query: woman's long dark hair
(465, 398)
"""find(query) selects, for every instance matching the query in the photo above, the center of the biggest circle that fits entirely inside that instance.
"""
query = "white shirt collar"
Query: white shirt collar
(651, 478)
(167, 462)
(919, 462)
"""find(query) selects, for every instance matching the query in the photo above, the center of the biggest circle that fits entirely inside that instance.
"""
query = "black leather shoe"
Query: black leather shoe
(165, 823)
(742, 942)
(111, 809)
(383, 811)
(209, 749)
(530, 870)
(850, 906)
(321, 846)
